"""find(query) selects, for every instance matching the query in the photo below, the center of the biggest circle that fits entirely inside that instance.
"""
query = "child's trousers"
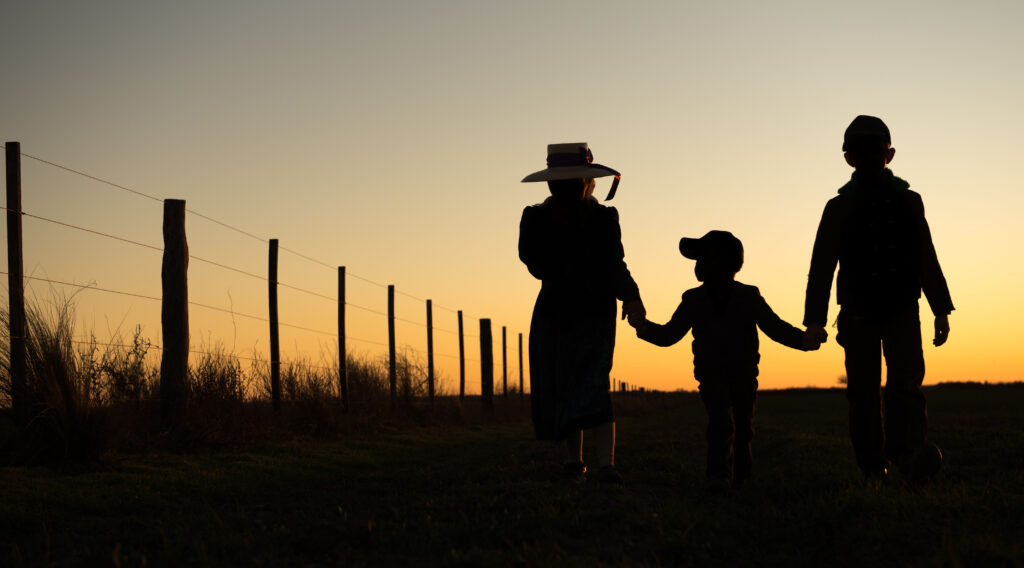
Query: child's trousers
(866, 339)
(730, 406)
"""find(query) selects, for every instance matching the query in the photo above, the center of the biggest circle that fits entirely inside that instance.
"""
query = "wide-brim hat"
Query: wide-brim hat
(573, 160)
(721, 243)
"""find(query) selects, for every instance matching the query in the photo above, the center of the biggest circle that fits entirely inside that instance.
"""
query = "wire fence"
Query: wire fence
(50, 220)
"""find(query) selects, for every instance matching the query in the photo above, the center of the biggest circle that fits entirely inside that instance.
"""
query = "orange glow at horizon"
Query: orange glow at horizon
(320, 127)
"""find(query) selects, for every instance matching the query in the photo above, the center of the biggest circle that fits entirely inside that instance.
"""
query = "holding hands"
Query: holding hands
(634, 312)
(814, 336)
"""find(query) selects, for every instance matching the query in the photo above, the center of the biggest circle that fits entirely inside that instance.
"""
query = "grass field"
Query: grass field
(483, 494)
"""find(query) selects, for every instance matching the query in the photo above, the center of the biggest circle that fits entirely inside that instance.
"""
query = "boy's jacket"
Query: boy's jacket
(878, 236)
(725, 341)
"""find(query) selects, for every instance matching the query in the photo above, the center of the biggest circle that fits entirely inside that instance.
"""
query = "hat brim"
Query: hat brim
(570, 172)
(690, 248)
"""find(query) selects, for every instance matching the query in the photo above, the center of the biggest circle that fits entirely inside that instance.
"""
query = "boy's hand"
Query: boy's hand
(941, 329)
(811, 341)
(640, 325)
(817, 331)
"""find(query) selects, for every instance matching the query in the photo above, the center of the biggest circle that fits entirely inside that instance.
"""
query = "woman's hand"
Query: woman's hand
(636, 313)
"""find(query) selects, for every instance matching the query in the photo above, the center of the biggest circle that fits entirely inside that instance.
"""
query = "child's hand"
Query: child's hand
(639, 324)
(813, 338)
(941, 329)
(817, 332)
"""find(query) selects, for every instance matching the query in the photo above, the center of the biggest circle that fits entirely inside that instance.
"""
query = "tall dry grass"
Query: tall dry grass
(87, 398)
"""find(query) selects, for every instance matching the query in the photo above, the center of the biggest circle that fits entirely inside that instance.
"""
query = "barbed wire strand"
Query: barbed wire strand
(89, 287)
(92, 177)
(212, 220)
(191, 303)
(217, 309)
(191, 257)
(93, 231)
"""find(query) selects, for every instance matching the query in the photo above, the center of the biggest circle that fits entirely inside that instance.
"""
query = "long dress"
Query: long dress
(578, 257)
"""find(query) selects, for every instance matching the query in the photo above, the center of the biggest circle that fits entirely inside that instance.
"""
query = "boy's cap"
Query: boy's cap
(866, 131)
(721, 243)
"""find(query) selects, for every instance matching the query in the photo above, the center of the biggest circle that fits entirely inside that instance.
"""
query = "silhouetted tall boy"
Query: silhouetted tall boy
(876, 231)
(724, 316)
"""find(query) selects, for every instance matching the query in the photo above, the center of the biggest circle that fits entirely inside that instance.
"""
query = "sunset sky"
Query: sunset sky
(390, 137)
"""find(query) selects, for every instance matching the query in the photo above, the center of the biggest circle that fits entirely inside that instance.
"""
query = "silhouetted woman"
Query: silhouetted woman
(573, 245)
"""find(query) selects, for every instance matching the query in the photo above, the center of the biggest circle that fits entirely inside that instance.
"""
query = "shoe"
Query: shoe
(608, 474)
(923, 464)
(575, 471)
(877, 476)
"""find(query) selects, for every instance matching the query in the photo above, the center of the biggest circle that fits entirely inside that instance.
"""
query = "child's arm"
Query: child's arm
(781, 332)
(932, 280)
(671, 332)
(824, 258)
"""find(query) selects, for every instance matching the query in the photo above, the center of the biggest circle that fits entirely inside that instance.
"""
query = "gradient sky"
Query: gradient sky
(390, 137)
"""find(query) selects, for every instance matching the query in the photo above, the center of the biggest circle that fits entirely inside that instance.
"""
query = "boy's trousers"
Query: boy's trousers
(897, 336)
(730, 407)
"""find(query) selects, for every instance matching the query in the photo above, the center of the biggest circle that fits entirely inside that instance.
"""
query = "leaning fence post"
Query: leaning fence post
(16, 286)
(392, 370)
(430, 350)
(174, 314)
(486, 364)
(462, 361)
(275, 337)
(342, 351)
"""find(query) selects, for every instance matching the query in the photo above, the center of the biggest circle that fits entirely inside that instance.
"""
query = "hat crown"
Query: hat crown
(568, 148)
(714, 242)
(866, 128)
(568, 155)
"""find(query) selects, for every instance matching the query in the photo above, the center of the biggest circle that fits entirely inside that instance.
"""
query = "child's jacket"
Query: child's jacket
(878, 236)
(725, 342)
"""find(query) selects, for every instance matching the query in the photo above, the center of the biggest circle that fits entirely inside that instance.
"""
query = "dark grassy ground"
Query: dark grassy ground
(482, 494)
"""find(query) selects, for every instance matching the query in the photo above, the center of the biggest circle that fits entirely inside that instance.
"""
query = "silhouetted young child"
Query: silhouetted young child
(875, 230)
(724, 316)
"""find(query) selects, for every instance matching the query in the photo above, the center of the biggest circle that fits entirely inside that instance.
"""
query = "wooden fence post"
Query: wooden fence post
(275, 337)
(430, 350)
(174, 315)
(522, 392)
(486, 364)
(504, 363)
(16, 287)
(342, 350)
(462, 362)
(392, 370)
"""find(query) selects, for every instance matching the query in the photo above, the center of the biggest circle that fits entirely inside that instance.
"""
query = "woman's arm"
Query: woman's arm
(622, 281)
(534, 243)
